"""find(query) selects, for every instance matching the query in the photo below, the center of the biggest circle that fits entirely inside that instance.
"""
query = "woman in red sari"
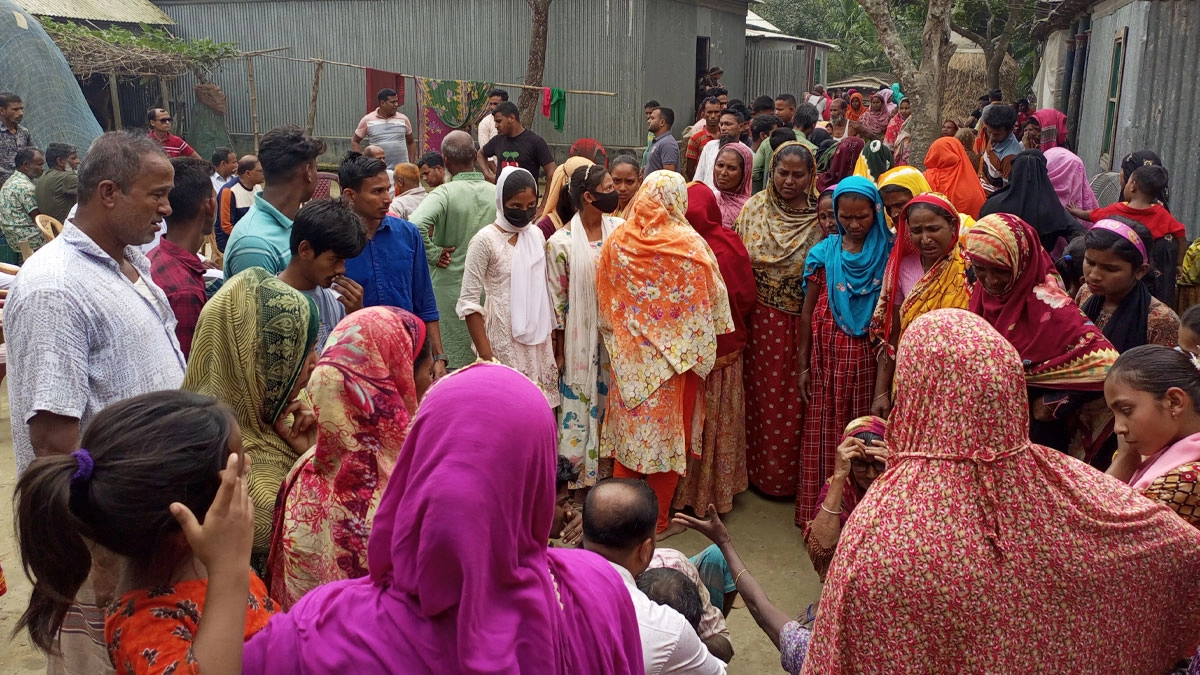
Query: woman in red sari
(779, 227)
(719, 472)
(1019, 293)
(365, 390)
(981, 552)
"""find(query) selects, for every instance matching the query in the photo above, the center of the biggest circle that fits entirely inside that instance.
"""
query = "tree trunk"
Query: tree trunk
(995, 61)
(536, 66)
(923, 83)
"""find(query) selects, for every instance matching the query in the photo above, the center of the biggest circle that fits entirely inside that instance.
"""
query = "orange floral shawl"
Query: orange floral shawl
(661, 297)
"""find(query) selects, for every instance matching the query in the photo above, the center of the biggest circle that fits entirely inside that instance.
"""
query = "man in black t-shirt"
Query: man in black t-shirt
(514, 145)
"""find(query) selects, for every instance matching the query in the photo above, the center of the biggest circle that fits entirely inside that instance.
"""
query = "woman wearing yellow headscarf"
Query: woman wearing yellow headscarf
(897, 187)
(253, 350)
(557, 210)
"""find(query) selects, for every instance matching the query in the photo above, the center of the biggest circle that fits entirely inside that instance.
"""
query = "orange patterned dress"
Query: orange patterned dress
(662, 304)
(151, 631)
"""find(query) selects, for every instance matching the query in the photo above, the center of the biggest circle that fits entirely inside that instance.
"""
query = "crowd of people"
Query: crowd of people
(257, 426)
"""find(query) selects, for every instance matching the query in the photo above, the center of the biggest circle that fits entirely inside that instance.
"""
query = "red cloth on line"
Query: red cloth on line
(381, 79)
(546, 96)
(1157, 218)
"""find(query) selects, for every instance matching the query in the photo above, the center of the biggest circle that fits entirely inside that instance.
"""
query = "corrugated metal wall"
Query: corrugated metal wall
(1093, 106)
(1166, 101)
(670, 54)
(593, 45)
(772, 71)
(1158, 96)
(640, 49)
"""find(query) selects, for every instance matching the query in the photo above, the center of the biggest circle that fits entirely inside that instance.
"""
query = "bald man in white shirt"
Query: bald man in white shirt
(619, 520)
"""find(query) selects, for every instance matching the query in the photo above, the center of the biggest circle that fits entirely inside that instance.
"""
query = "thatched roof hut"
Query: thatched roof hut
(966, 80)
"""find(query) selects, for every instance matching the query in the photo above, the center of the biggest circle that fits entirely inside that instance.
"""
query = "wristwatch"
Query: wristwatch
(442, 357)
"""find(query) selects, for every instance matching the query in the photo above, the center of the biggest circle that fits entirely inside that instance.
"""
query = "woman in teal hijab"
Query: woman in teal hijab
(843, 276)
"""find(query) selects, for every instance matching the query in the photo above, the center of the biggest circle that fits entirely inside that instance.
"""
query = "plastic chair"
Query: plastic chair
(327, 186)
(50, 227)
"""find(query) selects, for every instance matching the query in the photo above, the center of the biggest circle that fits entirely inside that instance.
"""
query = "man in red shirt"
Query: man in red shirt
(175, 266)
(160, 130)
(712, 119)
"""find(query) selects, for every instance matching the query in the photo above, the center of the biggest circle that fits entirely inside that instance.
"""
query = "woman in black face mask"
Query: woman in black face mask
(507, 261)
(571, 255)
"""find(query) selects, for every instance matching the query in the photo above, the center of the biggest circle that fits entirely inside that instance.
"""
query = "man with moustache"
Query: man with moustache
(87, 326)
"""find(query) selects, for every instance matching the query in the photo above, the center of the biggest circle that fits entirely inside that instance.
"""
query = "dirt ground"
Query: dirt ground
(762, 529)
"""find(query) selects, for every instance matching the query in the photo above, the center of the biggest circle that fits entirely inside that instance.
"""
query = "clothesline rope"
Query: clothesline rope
(355, 65)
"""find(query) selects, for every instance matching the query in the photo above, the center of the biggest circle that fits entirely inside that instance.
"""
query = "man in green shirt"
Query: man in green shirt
(448, 218)
(56, 189)
(18, 205)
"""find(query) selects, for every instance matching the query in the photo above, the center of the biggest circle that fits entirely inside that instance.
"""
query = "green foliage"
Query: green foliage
(200, 56)
(844, 23)
(989, 18)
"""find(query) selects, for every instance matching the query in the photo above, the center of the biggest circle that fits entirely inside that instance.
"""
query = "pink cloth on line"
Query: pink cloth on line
(546, 96)
(1185, 451)
(461, 578)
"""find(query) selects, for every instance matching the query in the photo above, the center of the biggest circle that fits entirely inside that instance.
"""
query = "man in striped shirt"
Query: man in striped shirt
(235, 198)
(160, 130)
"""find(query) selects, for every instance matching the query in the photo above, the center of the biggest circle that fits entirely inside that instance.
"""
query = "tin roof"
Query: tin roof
(117, 11)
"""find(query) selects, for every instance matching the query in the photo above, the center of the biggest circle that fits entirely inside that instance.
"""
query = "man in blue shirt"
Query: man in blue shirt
(263, 237)
(392, 269)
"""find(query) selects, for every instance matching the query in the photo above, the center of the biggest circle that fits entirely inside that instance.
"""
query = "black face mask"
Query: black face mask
(519, 217)
(606, 202)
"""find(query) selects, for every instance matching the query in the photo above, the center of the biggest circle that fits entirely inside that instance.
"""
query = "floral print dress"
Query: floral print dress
(151, 631)
(580, 415)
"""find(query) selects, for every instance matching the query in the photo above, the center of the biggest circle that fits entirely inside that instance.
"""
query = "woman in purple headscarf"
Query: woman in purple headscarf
(461, 579)
(732, 178)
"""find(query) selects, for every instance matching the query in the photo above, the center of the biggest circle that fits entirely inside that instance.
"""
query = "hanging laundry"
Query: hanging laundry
(558, 108)
(546, 97)
(381, 79)
(446, 105)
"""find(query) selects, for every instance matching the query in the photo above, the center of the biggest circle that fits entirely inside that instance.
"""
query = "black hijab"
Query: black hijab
(1127, 326)
(1031, 196)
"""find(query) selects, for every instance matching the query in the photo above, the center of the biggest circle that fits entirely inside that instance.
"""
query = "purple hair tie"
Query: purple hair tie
(84, 473)
(1123, 230)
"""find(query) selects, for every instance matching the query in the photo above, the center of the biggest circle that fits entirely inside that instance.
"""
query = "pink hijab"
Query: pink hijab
(461, 579)
(1070, 181)
(732, 201)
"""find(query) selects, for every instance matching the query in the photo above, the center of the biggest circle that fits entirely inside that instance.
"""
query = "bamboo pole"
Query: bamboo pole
(312, 105)
(582, 92)
(116, 101)
(253, 100)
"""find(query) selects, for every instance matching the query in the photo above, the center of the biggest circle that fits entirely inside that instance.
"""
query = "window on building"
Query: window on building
(1112, 108)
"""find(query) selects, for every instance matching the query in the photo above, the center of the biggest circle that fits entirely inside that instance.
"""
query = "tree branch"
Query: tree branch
(984, 43)
(889, 38)
(1016, 12)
